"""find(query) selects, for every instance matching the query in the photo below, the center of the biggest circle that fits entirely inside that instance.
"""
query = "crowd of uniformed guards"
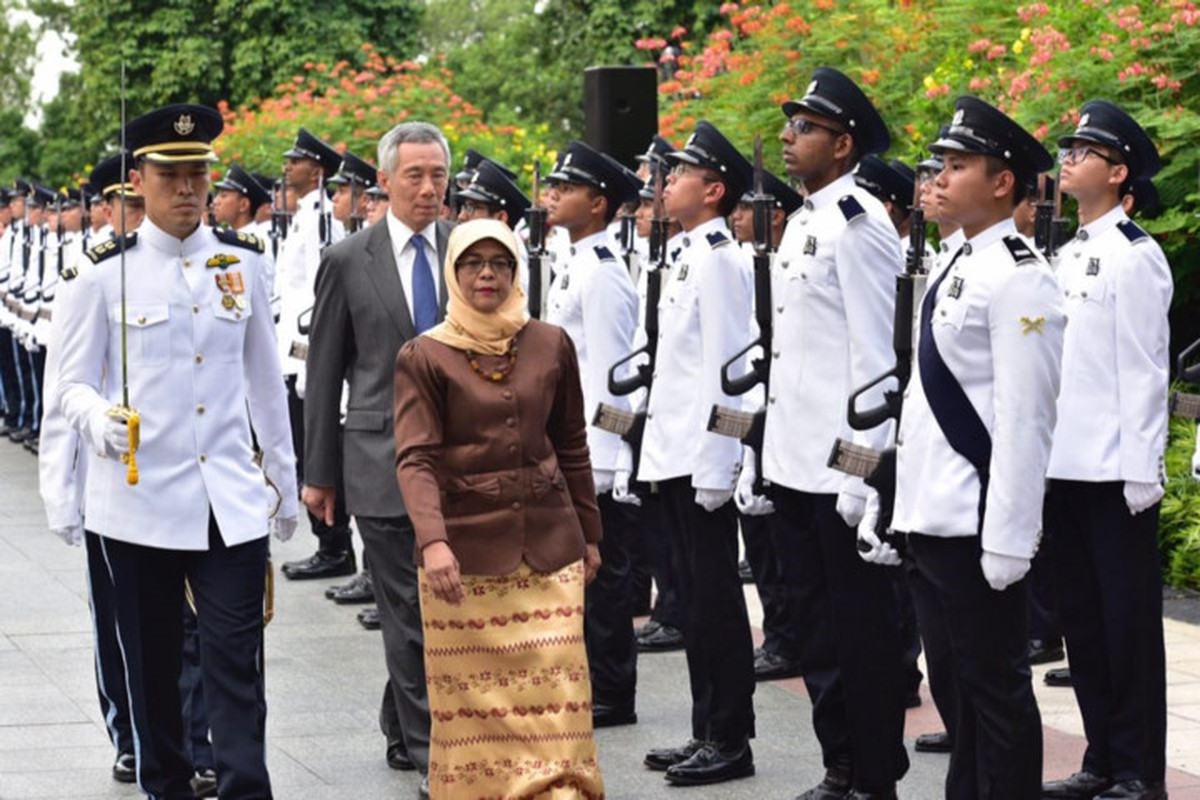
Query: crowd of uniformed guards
(949, 444)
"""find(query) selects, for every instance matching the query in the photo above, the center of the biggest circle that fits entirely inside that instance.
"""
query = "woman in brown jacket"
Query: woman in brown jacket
(492, 459)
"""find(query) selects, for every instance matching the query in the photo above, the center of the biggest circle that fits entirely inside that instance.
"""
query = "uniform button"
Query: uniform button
(510, 422)
(199, 358)
(1083, 294)
(899, 442)
(654, 376)
(506, 394)
(195, 309)
(779, 309)
(772, 400)
(942, 312)
(203, 458)
(238, 315)
(804, 276)
(200, 408)
(141, 320)
(776, 354)
(187, 262)
(512, 476)
(512, 448)
(650, 415)
(516, 506)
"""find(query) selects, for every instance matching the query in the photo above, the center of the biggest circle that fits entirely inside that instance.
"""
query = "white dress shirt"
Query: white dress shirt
(404, 253)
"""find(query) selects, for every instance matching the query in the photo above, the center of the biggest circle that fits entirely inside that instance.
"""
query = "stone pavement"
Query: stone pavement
(324, 677)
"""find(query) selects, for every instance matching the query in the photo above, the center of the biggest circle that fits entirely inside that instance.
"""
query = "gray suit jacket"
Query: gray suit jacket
(360, 320)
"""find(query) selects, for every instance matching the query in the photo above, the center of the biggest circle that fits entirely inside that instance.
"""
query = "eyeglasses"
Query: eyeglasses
(471, 208)
(1079, 153)
(682, 168)
(475, 265)
(803, 125)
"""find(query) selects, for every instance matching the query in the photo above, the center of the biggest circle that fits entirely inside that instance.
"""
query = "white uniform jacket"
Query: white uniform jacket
(834, 293)
(594, 300)
(703, 316)
(9, 247)
(196, 360)
(296, 276)
(1112, 410)
(998, 324)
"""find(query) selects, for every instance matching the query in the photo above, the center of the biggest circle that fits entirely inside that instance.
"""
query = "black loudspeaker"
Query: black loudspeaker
(620, 110)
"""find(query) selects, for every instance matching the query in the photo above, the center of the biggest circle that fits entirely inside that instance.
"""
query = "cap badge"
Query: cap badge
(184, 125)
(958, 117)
(812, 88)
(1083, 121)
(688, 143)
(566, 159)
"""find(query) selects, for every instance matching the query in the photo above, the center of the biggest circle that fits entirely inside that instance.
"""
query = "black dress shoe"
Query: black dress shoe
(423, 790)
(1081, 784)
(773, 667)
(397, 756)
(650, 627)
(19, 435)
(713, 764)
(857, 795)
(1044, 652)
(663, 758)
(321, 565)
(834, 786)
(1059, 676)
(204, 783)
(1134, 790)
(664, 639)
(31, 444)
(360, 590)
(744, 572)
(369, 618)
(933, 743)
(125, 768)
(610, 716)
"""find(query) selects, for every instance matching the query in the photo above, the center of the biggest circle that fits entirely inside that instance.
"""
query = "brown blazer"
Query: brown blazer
(498, 470)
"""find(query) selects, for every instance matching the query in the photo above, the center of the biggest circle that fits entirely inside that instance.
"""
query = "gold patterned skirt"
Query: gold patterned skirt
(509, 691)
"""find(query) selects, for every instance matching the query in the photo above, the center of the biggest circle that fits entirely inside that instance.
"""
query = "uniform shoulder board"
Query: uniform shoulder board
(69, 274)
(1020, 251)
(851, 208)
(603, 253)
(246, 240)
(110, 248)
(717, 239)
(1133, 232)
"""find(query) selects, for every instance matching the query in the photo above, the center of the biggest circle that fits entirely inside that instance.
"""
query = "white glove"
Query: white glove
(301, 382)
(1196, 462)
(880, 552)
(749, 503)
(603, 479)
(1140, 496)
(621, 491)
(70, 534)
(282, 528)
(1002, 571)
(851, 507)
(107, 435)
(712, 499)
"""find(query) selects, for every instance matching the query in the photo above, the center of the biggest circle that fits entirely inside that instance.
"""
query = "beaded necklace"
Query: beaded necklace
(495, 375)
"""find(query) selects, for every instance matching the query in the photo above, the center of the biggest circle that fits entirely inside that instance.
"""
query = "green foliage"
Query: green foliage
(18, 146)
(1179, 522)
(17, 45)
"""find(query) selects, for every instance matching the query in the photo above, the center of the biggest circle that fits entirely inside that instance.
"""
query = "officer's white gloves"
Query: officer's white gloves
(301, 382)
(282, 528)
(1140, 496)
(604, 479)
(621, 491)
(749, 503)
(851, 507)
(878, 552)
(107, 435)
(1002, 571)
(70, 534)
(1196, 460)
(712, 499)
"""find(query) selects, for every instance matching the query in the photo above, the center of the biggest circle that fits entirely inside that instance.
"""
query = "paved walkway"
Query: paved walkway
(324, 677)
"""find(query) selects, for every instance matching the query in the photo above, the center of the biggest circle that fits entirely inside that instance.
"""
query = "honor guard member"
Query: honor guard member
(10, 256)
(492, 194)
(1106, 464)
(5, 224)
(350, 184)
(377, 204)
(33, 365)
(779, 655)
(309, 164)
(974, 443)
(265, 211)
(238, 200)
(593, 299)
(185, 502)
(833, 285)
(704, 314)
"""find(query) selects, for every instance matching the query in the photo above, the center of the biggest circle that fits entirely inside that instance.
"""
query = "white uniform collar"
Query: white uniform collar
(314, 196)
(702, 230)
(1113, 217)
(954, 241)
(154, 236)
(588, 242)
(990, 236)
(831, 193)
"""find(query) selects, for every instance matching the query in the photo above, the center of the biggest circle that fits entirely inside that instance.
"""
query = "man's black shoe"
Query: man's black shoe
(397, 756)
(423, 790)
(321, 565)
(361, 589)
(664, 639)
(711, 764)
(369, 618)
(1081, 784)
(1059, 676)
(744, 572)
(31, 444)
(1045, 652)
(125, 768)
(857, 795)
(933, 743)
(19, 434)
(663, 758)
(834, 786)
(606, 716)
(1134, 790)
(773, 667)
(650, 627)
(204, 783)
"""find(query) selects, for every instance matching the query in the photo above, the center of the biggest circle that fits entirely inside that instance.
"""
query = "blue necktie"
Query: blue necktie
(425, 303)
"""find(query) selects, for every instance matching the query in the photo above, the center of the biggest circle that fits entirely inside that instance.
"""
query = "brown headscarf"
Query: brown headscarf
(464, 327)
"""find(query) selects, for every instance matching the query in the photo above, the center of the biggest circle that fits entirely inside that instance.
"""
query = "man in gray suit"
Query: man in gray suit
(375, 290)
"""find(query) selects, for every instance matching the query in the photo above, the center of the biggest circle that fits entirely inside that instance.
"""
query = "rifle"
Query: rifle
(749, 427)
(1185, 404)
(878, 470)
(535, 219)
(356, 219)
(628, 237)
(324, 223)
(61, 234)
(631, 425)
(1049, 225)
